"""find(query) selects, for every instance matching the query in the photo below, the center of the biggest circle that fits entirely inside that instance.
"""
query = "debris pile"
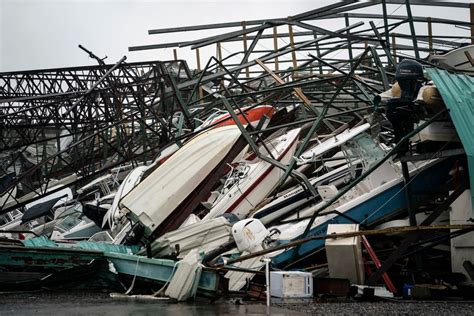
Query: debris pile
(345, 154)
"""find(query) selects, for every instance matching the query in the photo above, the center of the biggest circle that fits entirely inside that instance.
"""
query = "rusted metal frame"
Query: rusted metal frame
(234, 78)
(304, 15)
(70, 85)
(385, 23)
(219, 38)
(227, 72)
(130, 144)
(288, 86)
(81, 84)
(332, 33)
(96, 84)
(278, 81)
(432, 3)
(249, 126)
(358, 81)
(288, 73)
(179, 97)
(380, 67)
(318, 51)
(346, 189)
(349, 41)
(38, 190)
(353, 94)
(435, 40)
(233, 39)
(244, 41)
(29, 84)
(316, 123)
(33, 142)
(432, 242)
(278, 90)
(198, 82)
(46, 161)
(341, 5)
(296, 174)
(122, 136)
(412, 29)
(382, 43)
(247, 55)
(19, 131)
(384, 231)
(394, 256)
(86, 177)
(149, 110)
(371, 16)
(266, 57)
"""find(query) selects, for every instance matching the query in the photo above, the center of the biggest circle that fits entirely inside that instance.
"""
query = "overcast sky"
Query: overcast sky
(45, 33)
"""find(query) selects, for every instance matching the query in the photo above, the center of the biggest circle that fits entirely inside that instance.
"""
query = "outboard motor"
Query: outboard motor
(249, 234)
(402, 112)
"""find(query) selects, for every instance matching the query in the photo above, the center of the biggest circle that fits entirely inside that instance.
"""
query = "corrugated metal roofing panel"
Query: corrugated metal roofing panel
(457, 91)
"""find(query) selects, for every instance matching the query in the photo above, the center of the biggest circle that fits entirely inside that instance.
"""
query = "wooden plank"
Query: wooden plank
(471, 9)
(244, 40)
(275, 46)
(198, 65)
(296, 91)
(394, 48)
(430, 35)
(292, 44)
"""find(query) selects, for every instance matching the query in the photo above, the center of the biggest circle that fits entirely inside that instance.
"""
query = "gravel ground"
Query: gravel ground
(385, 308)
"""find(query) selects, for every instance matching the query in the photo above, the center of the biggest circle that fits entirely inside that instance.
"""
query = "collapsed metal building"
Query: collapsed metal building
(67, 127)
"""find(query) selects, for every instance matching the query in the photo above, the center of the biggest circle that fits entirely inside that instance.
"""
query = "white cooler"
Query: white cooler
(285, 284)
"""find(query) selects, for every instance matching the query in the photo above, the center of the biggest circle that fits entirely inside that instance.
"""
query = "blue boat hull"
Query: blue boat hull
(386, 203)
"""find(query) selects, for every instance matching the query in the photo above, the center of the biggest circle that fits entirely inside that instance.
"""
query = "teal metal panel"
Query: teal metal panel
(101, 246)
(41, 241)
(158, 269)
(46, 257)
(44, 241)
(457, 91)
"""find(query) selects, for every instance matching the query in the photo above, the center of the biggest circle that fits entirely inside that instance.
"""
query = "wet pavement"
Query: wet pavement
(57, 303)
(100, 303)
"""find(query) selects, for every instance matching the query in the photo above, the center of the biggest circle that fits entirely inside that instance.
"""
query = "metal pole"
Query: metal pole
(412, 29)
(385, 22)
(406, 180)
(275, 46)
(267, 278)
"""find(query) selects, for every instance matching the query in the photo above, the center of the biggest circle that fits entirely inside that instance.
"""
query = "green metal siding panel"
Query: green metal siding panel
(458, 95)
(457, 91)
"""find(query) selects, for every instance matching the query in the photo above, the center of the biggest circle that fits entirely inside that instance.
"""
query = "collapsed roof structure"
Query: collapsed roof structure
(65, 127)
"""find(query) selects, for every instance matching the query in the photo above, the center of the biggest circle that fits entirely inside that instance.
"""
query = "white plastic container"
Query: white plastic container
(291, 284)
(345, 254)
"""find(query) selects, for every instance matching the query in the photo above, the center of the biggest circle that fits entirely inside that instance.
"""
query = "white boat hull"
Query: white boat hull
(153, 200)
